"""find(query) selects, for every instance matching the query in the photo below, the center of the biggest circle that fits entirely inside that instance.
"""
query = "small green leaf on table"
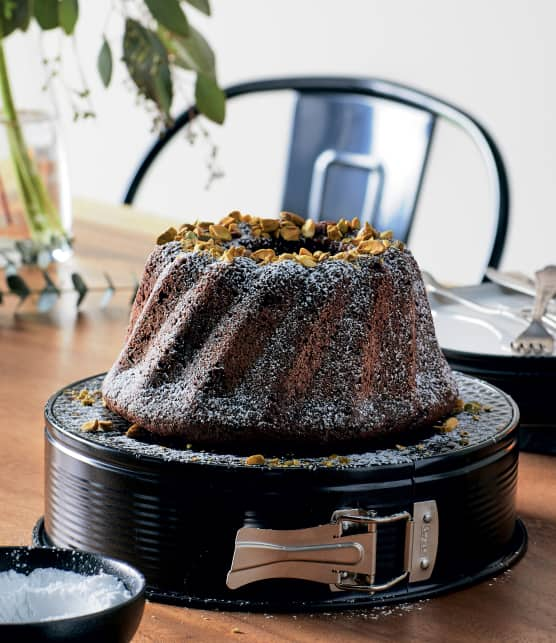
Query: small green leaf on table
(18, 286)
(109, 292)
(210, 99)
(80, 286)
(46, 13)
(104, 63)
(169, 14)
(48, 296)
(68, 12)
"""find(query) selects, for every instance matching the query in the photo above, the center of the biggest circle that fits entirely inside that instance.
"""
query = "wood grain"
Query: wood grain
(39, 354)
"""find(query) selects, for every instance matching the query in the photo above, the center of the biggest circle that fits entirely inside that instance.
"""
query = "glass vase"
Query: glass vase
(35, 214)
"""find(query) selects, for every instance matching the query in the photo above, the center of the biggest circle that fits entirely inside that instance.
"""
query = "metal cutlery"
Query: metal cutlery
(436, 288)
(535, 339)
(518, 282)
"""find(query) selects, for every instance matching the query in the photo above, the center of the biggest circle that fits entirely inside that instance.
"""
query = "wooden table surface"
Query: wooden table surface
(41, 353)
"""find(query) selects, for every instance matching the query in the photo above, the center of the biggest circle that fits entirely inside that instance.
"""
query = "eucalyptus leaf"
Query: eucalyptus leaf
(27, 252)
(104, 63)
(109, 292)
(14, 14)
(191, 53)
(210, 99)
(80, 286)
(49, 283)
(9, 265)
(201, 5)
(46, 301)
(18, 286)
(147, 62)
(48, 296)
(46, 13)
(68, 12)
(169, 14)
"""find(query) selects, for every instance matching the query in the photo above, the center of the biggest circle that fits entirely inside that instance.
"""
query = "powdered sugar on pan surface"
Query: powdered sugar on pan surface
(50, 594)
(472, 430)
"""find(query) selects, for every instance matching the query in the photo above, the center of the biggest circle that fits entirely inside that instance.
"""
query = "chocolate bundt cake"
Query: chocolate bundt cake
(280, 330)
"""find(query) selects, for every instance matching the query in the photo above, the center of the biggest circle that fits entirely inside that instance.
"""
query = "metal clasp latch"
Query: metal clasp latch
(334, 553)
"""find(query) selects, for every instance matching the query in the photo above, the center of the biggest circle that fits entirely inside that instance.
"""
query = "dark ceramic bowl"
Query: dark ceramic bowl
(114, 624)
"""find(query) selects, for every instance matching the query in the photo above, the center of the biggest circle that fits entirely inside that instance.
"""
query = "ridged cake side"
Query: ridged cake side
(231, 352)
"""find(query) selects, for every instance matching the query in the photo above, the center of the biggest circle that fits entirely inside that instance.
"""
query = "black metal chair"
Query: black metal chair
(360, 147)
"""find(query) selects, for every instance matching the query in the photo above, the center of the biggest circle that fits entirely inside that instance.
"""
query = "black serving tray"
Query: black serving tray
(530, 381)
(174, 511)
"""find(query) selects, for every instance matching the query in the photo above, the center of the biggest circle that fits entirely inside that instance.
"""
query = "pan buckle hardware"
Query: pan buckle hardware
(342, 553)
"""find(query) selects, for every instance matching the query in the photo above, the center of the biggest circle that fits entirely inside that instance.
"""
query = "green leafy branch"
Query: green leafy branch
(158, 40)
(151, 54)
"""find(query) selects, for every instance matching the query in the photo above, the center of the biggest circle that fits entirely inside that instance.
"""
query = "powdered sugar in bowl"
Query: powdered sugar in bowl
(51, 594)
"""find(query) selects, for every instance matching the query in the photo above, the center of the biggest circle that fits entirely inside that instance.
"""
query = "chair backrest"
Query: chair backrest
(360, 147)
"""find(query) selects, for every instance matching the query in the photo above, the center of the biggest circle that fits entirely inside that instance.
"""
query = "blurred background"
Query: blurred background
(493, 59)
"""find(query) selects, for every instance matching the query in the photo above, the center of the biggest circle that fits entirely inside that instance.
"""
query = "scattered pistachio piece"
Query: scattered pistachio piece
(343, 226)
(371, 247)
(459, 405)
(220, 232)
(294, 218)
(306, 261)
(448, 425)
(270, 225)
(308, 229)
(167, 236)
(264, 254)
(473, 407)
(333, 232)
(257, 459)
(90, 426)
(134, 430)
(290, 233)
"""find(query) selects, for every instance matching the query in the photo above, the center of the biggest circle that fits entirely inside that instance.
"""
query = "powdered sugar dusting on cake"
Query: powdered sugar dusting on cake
(238, 351)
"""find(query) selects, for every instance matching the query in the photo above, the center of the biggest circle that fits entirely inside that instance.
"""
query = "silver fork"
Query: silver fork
(535, 339)
(435, 287)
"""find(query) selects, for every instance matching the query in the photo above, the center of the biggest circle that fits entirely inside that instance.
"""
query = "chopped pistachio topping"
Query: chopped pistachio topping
(345, 240)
